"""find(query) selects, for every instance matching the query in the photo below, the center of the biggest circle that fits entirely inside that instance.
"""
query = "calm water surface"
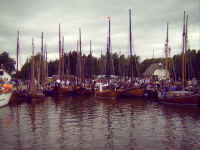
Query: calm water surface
(91, 124)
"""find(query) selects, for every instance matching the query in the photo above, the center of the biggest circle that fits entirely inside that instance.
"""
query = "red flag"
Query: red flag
(108, 17)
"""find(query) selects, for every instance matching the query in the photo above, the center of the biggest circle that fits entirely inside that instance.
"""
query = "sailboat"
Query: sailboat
(181, 97)
(131, 91)
(107, 92)
(34, 95)
(19, 95)
(59, 88)
(81, 89)
(65, 90)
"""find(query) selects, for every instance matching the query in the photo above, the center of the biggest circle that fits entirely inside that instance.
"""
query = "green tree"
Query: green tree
(7, 63)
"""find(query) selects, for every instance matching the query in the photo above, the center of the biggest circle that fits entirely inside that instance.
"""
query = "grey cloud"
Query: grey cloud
(149, 24)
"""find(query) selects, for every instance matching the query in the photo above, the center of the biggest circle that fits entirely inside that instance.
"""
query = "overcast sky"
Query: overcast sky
(31, 17)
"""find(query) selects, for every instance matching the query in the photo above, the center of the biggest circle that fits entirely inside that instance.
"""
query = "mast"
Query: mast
(90, 47)
(119, 66)
(130, 32)
(183, 54)
(59, 65)
(67, 66)
(62, 60)
(77, 46)
(32, 87)
(77, 62)
(80, 57)
(186, 48)
(109, 41)
(90, 69)
(166, 52)
(130, 44)
(17, 57)
(108, 63)
(42, 62)
(46, 66)
(80, 40)
(45, 61)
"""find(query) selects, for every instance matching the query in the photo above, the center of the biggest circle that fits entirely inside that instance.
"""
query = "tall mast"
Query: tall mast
(59, 65)
(45, 61)
(90, 47)
(80, 41)
(77, 61)
(108, 63)
(109, 40)
(32, 87)
(77, 46)
(46, 66)
(42, 62)
(166, 51)
(90, 69)
(80, 57)
(186, 47)
(130, 32)
(130, 43)
(67, 65)
(62, 60)
(183, 54)
(17, 57)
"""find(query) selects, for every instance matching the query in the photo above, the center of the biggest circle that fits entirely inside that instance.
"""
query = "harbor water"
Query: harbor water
(76, 123)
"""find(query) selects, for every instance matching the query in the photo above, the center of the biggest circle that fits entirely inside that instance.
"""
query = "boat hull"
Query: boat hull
(152, 94)
(193, 99)
(5, 98)
(106, 94)
(60, 91)
(18, 97)
(130, 92)
(82, 92)
(36, 97)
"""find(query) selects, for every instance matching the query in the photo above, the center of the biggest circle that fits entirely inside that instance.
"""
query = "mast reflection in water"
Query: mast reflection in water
(90, 124)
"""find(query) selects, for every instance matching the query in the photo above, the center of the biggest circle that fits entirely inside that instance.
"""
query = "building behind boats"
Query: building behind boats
(156, 70)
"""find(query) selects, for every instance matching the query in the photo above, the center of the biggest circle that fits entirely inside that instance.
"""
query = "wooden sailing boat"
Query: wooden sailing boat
(181, 97)
(81, 89)
(65, 90)
(107, 92)
(19, 95)
(59, 88)
(131, 91)
(34, 94)
(55, 91)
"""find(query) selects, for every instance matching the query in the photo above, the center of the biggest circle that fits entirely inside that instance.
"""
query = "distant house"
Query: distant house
(156, 70)
(4, 75)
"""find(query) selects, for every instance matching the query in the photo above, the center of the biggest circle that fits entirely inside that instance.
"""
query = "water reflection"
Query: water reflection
(89, 123)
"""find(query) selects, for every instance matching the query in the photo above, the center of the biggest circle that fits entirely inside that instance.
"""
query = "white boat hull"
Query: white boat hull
(5, 98)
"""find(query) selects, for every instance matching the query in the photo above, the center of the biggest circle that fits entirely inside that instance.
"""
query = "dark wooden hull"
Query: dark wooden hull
(193, 100)
(83, 92)
(36, 97)
(130, 92)
(59, 91)
(150, 94)
(18, 97)
(106, 94)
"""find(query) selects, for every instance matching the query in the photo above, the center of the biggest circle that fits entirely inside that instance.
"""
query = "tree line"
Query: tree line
(120, 65)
